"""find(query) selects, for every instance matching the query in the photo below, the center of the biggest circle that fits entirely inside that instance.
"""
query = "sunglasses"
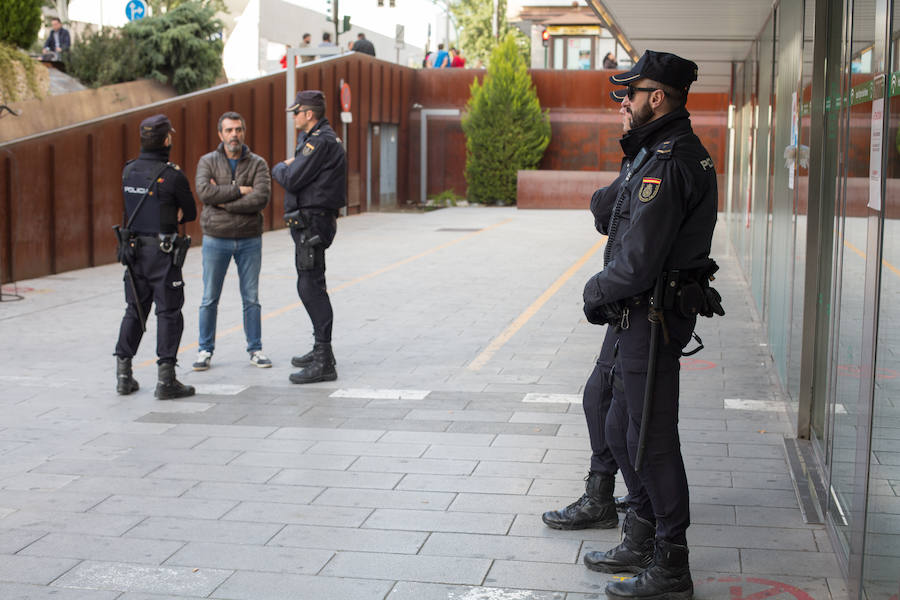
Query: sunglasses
(300, 109)
(634, 90)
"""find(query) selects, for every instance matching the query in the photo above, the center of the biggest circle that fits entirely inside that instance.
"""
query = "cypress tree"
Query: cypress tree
(20, 21)
(506, 130)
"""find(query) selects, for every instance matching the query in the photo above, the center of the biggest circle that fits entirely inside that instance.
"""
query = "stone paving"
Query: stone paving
(420, 474)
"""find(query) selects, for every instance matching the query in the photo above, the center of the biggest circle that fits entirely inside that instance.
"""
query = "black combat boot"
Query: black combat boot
(668, 578)
(125, 383)
(320, 368)
(169, 388)
(594, 509)
(633, 555)
(302, 361)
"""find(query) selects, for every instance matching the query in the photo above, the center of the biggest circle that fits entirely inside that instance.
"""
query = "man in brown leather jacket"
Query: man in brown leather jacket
(235, 186)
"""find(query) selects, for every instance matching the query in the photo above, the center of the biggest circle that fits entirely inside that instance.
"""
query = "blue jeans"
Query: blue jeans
(217, 254)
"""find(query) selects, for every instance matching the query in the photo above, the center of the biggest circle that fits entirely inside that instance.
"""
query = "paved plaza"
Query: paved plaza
(420, 474)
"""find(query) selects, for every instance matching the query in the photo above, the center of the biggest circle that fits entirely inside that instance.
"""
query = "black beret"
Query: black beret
(662, 67)
(308, 98)
(156, 126)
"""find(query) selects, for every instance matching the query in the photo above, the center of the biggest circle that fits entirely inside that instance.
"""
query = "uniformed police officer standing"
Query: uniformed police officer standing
(657, 268)
(314, 181)
(157, 199)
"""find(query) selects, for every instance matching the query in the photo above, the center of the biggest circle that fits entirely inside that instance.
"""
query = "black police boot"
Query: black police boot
(622, 503)
(668, 578)
(594, 509)
(633, 555)
(302, 361)
(320, 368)
(125, 383)
(169, 388)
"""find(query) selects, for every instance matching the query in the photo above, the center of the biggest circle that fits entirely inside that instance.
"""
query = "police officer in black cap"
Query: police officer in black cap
(314, 181)
(157, 199)
(654, 283)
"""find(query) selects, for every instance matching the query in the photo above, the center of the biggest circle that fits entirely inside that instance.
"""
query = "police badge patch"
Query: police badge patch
(308, 149)
(649, 188)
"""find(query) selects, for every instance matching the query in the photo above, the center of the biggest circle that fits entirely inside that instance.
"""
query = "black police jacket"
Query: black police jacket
(664, 216)
(318, 176)
(168, 192)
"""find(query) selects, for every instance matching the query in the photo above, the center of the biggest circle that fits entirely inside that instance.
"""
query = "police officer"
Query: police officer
(157, 199)
(660, 233)
(314, 181)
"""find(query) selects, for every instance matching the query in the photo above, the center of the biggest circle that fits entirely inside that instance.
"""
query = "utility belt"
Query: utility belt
(128, 244)
(300, 218)
(686, 292)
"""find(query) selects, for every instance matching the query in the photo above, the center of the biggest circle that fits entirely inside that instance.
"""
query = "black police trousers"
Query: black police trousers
(311, 285)
(659, 491)
(158, 282)
(598, 393)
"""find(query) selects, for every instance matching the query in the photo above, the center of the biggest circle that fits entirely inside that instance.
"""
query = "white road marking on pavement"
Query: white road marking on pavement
(493, 594)
(767, 405)
(552, 398)
(380, 394)
(220, 389)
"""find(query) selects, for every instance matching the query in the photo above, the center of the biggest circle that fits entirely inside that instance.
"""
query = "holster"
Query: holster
(126, 245)
(307, 250)
(689, 293)
(180, 247)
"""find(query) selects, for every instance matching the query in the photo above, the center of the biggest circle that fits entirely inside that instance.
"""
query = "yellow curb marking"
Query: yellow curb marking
(529, 312)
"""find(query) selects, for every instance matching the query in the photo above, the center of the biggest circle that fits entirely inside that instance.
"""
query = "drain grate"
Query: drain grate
(806, 479)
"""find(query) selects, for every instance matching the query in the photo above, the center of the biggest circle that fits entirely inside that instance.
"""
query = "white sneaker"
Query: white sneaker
(202, 362)
(257, 358)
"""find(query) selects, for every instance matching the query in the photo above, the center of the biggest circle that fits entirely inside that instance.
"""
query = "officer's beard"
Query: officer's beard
(641, 117)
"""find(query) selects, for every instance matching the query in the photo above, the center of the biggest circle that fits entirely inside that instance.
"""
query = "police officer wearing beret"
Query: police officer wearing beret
(157, 199)
(314, 181)
(654, 283)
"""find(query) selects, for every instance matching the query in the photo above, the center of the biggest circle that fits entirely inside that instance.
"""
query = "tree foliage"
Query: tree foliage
(158, 7)
(20, 21)
(178, 47)
(476, 30)
(506, 130)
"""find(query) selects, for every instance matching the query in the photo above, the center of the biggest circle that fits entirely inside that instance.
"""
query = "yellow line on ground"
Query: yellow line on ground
(498, 342)
(862, 254)
(345, 285)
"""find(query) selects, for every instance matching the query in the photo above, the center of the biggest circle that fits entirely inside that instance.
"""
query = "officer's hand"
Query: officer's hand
(288, 161)
(594, 316)
(245, 189)
(591, 306)
(180, 216)
(212, 181)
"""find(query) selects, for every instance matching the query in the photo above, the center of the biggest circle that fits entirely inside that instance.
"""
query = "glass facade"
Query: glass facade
(813, 192)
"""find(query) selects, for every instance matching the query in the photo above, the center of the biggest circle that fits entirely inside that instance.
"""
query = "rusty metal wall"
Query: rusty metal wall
(60, 192)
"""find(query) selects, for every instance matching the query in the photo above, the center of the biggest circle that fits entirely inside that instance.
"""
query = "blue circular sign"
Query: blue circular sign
(135, 9)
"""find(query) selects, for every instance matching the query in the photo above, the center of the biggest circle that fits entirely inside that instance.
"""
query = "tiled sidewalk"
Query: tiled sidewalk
(420, 474)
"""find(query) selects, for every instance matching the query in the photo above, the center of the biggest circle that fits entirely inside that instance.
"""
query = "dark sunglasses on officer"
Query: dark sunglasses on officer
(300, 109)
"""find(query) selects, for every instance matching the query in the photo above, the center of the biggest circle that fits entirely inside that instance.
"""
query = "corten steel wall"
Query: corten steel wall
(60, 192)
(585, 123)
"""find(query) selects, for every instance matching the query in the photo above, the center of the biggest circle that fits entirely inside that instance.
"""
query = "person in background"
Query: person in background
(363, 45)
(609, 61)
(442, 58)
(57, 42)
(456, 59)
(306, 43)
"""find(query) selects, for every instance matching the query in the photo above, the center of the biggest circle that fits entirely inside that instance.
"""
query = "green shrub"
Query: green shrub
(506, 130)
(104, 58)
(20, 21)
(177, 47)
(8, 80)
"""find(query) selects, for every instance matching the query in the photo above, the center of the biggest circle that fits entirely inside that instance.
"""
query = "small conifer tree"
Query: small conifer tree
(506, 130)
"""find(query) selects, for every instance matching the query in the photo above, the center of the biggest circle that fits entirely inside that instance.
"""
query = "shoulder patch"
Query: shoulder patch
(649, 188)
(174, 166)
(307, 149)
(664, 150)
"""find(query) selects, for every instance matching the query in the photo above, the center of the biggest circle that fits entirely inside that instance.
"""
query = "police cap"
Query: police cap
(661, 67)
(308, 98)
(156, 127)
